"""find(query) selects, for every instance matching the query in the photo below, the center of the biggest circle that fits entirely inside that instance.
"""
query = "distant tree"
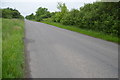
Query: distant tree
(42, 13)
(7, 13)
(30, 17)
(59, 15)
(0, 13)
(62, 7)
(11, 13)
(15, 13)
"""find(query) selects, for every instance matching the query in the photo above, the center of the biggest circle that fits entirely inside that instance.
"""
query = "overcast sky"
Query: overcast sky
(27, 7)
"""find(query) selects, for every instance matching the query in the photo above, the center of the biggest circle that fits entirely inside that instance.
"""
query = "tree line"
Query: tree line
(10, 13)
(98, 16)
(41, 14)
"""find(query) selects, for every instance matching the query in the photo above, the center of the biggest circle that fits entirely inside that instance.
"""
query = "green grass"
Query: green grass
(0, 48)
(13, 48)
(86, 32)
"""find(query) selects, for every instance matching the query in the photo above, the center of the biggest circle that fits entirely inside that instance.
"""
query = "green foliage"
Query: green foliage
(7, 13)
(59, 15)
(62, 7)
(99, 16)
(0, 48)
(42, 13)
(70, 17)
(0, 13)
(30, 17)
(11, 13)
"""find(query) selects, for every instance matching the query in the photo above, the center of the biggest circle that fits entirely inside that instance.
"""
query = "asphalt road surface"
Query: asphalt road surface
(58, 53)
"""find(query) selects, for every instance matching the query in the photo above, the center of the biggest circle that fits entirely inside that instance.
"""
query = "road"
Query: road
(53, 52)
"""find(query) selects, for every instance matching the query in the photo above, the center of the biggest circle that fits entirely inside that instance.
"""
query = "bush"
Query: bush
(11, 13)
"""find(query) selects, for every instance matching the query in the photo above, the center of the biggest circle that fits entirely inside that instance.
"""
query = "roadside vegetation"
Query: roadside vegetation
(13, 48)
(10, 13)
(0, 48)
(12, 43)
(86, 32)
(100, 18)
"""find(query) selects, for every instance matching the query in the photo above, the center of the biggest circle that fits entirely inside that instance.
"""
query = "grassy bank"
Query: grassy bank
(86, 32)
(0, 48)
(13, 48)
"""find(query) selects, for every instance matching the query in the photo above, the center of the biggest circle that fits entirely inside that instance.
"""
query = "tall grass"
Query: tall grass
(0, 48)
(13, 48)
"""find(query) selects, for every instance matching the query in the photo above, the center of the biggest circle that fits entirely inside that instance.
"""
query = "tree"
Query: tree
(0, 12)
(71, 17)
(62, 7)
(42, 13)
(15, 14)
(30, 17)
(11, 13)
(98, 16)
(59, 15)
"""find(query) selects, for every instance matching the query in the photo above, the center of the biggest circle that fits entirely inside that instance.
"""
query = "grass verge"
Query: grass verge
(13, 48)
(86, 32)
(0, 48)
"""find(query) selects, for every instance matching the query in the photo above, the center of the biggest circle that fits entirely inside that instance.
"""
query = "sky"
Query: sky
(27, 7)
